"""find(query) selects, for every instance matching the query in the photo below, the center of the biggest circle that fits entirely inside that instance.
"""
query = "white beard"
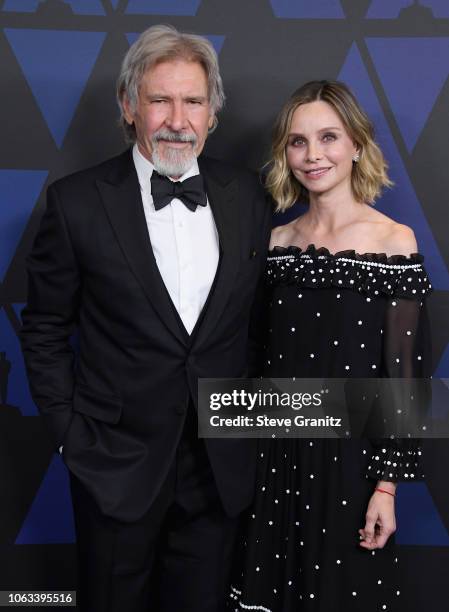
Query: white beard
(174, 162)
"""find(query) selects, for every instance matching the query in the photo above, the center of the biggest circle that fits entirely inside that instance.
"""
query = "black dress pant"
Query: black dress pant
(177, 558)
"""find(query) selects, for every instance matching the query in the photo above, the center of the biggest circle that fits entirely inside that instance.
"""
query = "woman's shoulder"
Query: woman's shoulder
(400, 240)
(393, 238)
(283, 235)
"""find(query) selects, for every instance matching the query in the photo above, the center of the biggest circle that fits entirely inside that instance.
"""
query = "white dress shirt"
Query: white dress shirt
(185, 245)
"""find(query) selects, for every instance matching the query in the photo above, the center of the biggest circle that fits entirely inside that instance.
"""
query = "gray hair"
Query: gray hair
(164, 43)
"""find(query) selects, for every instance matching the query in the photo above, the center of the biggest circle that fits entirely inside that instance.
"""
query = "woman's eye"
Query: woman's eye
(297, 142)
(329, 137)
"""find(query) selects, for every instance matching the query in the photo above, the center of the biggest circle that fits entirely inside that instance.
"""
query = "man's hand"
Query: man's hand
(380, 518)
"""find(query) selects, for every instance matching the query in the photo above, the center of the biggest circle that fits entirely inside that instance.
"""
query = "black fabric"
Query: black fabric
(190, 191)
(176, 557)
(120, 407)
(342, 315)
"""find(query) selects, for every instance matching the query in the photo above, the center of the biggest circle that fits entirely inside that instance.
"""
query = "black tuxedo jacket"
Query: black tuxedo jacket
(118, 404)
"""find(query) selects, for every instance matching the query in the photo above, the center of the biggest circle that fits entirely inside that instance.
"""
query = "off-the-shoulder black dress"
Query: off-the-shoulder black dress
(334, 315)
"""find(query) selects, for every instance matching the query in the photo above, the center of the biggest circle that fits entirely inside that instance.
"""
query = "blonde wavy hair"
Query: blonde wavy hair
(369, 174)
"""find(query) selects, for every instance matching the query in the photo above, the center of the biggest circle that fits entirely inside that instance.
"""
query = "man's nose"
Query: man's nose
(177, 117)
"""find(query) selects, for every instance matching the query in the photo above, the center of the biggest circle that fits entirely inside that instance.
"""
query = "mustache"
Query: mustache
(170, 136)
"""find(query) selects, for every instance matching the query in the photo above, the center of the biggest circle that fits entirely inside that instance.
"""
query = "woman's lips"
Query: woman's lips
(316, 173)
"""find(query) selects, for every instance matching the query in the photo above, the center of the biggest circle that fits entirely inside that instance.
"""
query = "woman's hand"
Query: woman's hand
(380, 517)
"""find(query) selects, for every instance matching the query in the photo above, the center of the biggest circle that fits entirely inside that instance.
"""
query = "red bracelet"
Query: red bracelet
(384, 491)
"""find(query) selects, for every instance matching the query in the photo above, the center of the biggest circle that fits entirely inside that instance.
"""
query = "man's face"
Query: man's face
(172, 115)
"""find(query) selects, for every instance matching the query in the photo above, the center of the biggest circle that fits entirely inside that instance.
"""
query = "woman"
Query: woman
(346, 300)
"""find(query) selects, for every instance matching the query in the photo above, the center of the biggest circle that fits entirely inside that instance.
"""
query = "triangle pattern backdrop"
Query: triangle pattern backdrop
(400, 202)
(163, 7)
(18, 309)
(19, 190)
(81, 7)
(423, 64)
(47, 57)
(422, 526)
(305, 9)
(390, 9)
(442, 370)
(216, 40)
(440, 401)
(50, 518)
(18, 394)
(57, 65)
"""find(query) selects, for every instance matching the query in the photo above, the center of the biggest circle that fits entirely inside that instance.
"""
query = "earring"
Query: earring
(356, 158)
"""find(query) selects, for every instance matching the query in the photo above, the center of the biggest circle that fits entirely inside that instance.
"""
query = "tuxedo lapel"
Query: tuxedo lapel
(122, 199)
(222, 196)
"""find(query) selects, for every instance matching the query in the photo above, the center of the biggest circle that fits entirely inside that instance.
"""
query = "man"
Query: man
(154, 257)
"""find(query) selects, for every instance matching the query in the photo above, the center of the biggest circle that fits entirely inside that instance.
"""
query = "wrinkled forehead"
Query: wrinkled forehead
(176, 68)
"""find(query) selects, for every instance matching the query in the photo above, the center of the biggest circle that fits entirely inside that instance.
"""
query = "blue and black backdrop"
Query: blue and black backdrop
(59, 61)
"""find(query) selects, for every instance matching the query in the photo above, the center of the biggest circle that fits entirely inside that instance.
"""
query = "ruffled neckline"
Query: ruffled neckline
(312, 251)
(373, 274)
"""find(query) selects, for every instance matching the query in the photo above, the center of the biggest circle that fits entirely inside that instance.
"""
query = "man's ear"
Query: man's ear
(127, 112)
(212, 123)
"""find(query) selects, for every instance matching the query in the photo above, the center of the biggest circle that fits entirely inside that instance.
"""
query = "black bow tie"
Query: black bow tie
(191, 191)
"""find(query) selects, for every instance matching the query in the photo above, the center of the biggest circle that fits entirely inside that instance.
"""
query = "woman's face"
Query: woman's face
(319, 149)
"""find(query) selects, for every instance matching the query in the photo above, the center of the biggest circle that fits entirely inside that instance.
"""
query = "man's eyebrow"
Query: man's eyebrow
(151, 97)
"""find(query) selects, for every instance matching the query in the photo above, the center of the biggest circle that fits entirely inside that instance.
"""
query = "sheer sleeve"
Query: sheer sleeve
(406, 354)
